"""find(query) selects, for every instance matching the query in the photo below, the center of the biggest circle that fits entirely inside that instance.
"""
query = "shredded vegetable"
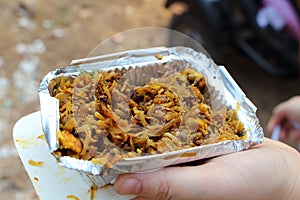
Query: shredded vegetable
(104, 118)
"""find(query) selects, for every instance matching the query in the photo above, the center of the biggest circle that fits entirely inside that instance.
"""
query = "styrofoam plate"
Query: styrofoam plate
(50, 180)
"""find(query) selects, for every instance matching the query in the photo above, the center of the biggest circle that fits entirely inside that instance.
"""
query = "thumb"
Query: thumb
(170, 183)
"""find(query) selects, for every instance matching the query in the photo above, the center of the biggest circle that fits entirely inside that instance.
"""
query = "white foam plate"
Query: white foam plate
(50, 180)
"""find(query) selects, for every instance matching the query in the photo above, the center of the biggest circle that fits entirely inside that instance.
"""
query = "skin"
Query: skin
(270, 170)
(283, 114)
(266, 171)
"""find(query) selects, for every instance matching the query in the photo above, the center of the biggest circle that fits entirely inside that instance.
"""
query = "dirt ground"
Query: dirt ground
(39, 36)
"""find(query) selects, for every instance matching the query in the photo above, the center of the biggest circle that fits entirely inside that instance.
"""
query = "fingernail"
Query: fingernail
(129, 186)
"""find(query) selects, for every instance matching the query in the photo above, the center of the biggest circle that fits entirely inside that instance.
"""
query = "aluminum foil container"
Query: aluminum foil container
(147, 63)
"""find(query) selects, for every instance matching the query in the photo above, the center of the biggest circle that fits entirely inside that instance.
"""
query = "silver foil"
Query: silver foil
(223, 91)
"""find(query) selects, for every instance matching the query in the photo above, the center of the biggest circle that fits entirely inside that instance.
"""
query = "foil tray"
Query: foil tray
(145, 64)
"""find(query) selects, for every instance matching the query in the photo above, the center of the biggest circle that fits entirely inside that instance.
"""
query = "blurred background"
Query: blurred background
(40, 36)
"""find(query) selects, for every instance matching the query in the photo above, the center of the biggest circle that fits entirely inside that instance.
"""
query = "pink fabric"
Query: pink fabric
(284, 8)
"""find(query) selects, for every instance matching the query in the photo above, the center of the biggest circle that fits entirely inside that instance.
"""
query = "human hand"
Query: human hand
(287, 116)
(266, 171)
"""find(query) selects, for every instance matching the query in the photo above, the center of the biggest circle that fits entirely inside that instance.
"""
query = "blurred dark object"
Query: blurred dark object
(268, 31)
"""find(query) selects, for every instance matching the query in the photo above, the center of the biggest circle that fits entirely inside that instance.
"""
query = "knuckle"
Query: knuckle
(165, 192)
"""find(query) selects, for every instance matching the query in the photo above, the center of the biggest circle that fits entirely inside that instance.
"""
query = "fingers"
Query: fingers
(271, 125)
(287, 110)
(275, 120)
(294, 135)
(289, 132)
(279, 114)
(169, 183)
(155, 185)
(211, 180)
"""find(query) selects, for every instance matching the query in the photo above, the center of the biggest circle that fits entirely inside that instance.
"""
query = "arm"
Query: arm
(270, 170)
